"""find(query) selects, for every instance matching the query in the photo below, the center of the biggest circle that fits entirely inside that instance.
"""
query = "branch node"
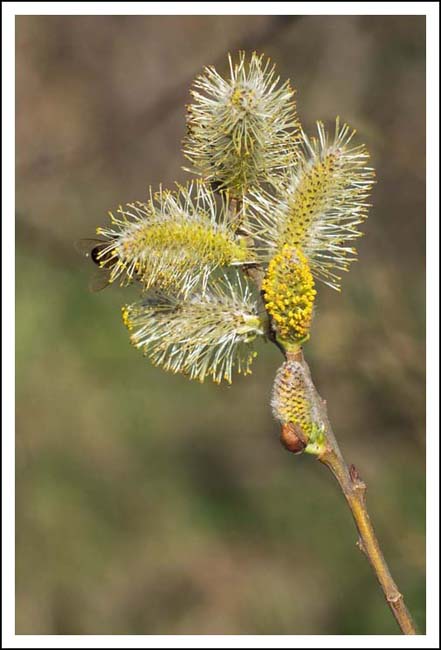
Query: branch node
(357, 481)
(394, 598)
(354, 474)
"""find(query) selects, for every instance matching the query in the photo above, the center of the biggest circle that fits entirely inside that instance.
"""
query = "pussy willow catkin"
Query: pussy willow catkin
(294, 406)
(289, 294)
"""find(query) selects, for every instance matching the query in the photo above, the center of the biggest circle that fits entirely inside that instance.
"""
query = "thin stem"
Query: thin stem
(354, 490)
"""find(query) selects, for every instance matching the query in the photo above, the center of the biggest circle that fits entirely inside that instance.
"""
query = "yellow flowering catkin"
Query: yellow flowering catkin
(242, 128)
(173, 241)
(319, 205)
(289, 293)
(206, 334)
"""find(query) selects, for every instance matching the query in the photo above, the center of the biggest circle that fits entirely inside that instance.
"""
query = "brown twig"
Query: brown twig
(351, 484)
(354, 490)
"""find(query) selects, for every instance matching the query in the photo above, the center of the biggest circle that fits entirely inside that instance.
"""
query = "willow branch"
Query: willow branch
(348, 478)
(354, 490)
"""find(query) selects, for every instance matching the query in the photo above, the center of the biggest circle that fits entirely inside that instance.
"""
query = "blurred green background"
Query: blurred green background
(147, 504)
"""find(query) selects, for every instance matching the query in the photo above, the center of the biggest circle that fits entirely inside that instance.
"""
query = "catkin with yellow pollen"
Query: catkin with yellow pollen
(209, 334)
(319, 204)
(289, 293)
(174, 241)
(242, 128)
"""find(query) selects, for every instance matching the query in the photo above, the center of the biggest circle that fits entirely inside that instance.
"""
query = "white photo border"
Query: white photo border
(9, 11)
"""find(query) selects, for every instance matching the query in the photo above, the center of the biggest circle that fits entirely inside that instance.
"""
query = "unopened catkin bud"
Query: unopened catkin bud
(294, 405)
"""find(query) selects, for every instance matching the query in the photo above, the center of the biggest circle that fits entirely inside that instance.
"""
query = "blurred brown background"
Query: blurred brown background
(147, 504)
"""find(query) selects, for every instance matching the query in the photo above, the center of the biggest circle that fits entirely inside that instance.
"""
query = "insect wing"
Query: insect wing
(86, 246)
(99, 281)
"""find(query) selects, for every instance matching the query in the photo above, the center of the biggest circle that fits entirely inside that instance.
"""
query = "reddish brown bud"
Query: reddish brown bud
(292, 438)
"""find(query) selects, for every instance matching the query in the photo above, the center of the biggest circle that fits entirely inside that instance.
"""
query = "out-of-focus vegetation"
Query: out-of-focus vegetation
(147, 504)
